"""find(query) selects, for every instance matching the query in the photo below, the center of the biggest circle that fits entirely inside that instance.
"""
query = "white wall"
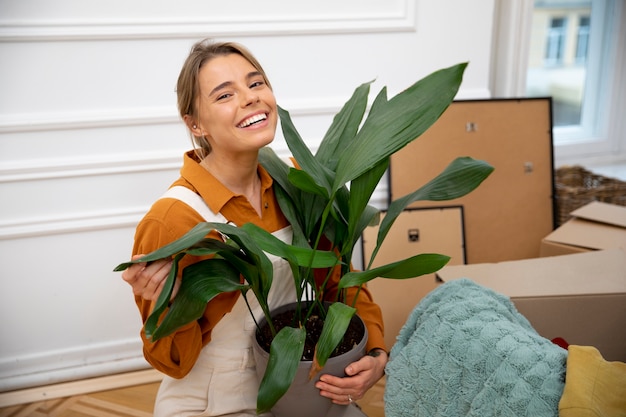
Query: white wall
(89, 137)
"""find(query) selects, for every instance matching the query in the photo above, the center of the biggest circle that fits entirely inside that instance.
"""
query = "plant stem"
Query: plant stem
(356, 296)
(266, 314)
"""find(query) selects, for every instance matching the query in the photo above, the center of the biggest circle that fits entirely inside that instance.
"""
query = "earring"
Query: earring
(194, 126)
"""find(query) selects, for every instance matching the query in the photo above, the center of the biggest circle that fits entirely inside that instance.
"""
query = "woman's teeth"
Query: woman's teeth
(251, 120)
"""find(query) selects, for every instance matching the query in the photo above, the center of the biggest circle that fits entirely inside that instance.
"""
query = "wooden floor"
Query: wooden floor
(85, 399)
(135, 401)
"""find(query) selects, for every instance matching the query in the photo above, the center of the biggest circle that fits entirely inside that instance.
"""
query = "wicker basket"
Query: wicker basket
(576, 186)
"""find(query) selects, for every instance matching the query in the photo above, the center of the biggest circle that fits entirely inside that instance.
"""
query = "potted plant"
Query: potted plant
(325, 198)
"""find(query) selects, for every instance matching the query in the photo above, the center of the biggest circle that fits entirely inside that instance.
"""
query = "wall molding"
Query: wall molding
(113, 164)
(229, 24)
(95, 119)
(77, 223)
(106, 220)
(137, 116)
(108, 118)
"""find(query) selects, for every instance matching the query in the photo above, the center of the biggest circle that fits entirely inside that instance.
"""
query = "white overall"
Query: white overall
(223, 382)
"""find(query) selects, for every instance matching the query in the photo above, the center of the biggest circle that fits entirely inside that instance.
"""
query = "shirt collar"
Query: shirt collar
(210, 188)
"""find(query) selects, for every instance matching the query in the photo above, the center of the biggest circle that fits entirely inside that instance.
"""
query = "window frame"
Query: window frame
(602, 134)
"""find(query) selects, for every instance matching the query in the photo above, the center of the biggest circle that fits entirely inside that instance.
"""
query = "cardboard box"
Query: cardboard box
(415, 231)
(579, 297)
(594, 226)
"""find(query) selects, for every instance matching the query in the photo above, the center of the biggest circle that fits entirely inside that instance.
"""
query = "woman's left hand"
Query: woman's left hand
(361, 376)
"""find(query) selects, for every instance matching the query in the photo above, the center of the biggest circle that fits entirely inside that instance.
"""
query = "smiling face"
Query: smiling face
(236, 107)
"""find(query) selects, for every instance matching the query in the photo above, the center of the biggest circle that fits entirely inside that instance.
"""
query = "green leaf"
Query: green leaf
(298, 255)
(310, 206)
(425, 263)
(286, 193)
(302, 154)
(335, 326)
(277, 168)
(361, 190)
(201, 282)
(379, 102)
(210, 246)
(291, 213)
(193, 236)
(305, 182)
(339, 212)
(285, 354)
(261, 278)
(164, 298)
(344, 127)
(398, 122)
(369, 217)
(459, 178)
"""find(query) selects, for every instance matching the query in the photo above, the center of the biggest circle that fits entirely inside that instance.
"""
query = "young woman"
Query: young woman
(228, 105)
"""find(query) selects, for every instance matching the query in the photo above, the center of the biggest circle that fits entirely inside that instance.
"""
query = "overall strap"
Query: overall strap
(194, 201)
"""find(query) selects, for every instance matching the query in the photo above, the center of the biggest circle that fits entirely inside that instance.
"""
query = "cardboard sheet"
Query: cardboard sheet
(594, 226)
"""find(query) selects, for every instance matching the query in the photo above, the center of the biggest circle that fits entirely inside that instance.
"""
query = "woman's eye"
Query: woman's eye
(256, 84)
(223, 96)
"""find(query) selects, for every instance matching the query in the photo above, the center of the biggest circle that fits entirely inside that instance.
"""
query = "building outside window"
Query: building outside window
(555, 41)
(556, 64)
(582, 43)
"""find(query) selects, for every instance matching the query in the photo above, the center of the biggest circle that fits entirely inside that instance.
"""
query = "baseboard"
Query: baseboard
(75, 363)
(68, 389)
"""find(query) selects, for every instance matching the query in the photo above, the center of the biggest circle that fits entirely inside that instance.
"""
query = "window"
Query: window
(573, 51)
(555, 41)
(582, 41)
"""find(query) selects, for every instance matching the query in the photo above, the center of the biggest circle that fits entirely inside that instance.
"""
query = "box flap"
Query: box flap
(589, 234)
(596, 272)
(602, 212)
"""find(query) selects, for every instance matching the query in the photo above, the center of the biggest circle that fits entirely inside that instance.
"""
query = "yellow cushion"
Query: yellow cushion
(593, 386)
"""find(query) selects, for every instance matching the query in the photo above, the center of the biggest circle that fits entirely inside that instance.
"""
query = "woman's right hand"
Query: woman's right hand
(148, 280)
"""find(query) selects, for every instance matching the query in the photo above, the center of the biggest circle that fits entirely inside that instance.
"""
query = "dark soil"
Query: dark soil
(354, 333)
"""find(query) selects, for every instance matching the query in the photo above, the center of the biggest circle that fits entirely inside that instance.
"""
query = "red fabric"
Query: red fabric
(561, 342)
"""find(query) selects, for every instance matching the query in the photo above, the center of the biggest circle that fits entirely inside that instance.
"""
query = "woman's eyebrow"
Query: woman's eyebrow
(225, 84)
(219, 87)
(254, 74)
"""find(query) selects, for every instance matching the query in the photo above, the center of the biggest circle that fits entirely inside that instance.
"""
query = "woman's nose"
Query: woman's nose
(250, 98)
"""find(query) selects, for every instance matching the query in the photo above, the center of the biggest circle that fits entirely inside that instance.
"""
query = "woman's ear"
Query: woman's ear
(192, 125)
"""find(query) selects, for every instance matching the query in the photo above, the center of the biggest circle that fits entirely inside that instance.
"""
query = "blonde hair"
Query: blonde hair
(188, 86)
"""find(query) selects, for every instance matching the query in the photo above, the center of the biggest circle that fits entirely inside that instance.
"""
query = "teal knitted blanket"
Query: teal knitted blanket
(466, 351)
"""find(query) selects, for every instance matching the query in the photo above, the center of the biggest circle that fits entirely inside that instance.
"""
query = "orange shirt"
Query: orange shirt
(168, 219)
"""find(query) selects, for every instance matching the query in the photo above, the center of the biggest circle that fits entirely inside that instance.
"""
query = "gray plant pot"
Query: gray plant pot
(303, 399)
